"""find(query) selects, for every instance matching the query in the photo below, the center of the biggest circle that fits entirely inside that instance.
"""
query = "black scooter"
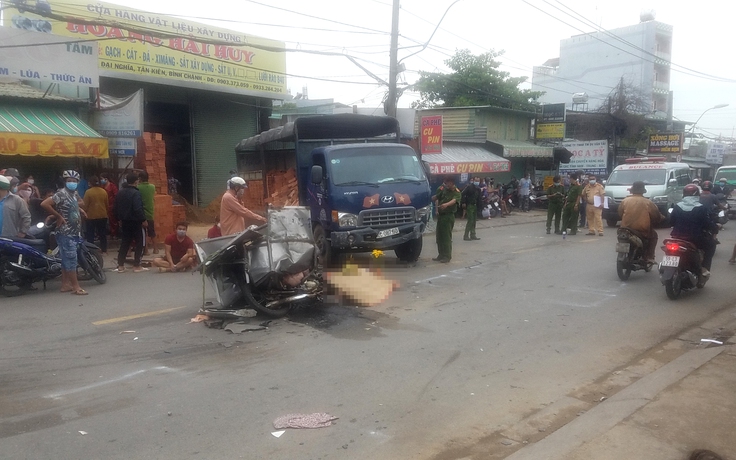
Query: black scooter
(680, 269)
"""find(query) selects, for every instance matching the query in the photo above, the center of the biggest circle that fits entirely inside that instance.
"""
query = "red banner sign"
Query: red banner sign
(472, 167)
(431, 134)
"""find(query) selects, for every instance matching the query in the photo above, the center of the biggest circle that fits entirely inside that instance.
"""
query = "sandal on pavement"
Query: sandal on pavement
(80, 292)
(140, 269)
(119, 270)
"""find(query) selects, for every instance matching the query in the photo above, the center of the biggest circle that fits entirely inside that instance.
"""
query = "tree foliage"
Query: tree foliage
(474, 81)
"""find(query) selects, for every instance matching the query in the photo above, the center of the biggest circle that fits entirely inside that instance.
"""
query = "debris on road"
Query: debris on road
(199, 319)
(82, 432)
(238, 327)
(315, 420)
(717, 342)
(135, 339)
(127, 332)
(277, 434)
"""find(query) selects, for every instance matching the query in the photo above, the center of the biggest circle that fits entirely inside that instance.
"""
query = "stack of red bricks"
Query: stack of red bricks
(152, 158)
(283, 189)
(253, 197)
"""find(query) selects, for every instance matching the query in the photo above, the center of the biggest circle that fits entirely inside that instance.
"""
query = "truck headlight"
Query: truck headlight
(345, 219)
(660, 199)
(423, 213)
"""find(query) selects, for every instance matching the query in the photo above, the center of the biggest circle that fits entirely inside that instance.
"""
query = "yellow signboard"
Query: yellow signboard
(137, 45)
(52, 146)
(550, 131)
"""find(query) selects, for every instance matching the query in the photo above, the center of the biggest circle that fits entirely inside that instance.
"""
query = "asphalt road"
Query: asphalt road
(515, 322)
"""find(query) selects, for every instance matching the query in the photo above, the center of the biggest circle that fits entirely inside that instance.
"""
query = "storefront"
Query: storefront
(205, 88)
(463, 162)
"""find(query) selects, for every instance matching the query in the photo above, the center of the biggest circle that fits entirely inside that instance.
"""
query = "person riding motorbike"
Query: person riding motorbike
(691, 221)
(712, 203)
(639, 215)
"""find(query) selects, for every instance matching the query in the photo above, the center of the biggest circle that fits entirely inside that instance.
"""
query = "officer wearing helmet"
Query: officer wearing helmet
(691, 221)
(65, 205)
(232, 213)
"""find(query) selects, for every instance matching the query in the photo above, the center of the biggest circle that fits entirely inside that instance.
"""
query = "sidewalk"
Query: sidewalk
(675, 399)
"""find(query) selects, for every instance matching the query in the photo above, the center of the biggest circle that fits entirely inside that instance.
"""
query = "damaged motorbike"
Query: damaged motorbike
(270, 269)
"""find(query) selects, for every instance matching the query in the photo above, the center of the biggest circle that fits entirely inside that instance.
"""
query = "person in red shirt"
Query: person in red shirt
(215, 231)
(180, 254)
(112, 192)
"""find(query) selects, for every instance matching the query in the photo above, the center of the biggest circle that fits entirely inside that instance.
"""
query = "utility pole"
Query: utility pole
(393, 73)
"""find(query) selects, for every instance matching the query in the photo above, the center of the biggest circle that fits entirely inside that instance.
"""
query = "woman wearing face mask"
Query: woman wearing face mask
(35, 192)
(25, 192)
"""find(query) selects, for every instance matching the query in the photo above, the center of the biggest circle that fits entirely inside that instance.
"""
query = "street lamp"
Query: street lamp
(692, 130)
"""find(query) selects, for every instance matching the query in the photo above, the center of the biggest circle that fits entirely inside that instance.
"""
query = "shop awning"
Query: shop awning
(459, 159)
(697, 162)
(520, 149)
(48, 132)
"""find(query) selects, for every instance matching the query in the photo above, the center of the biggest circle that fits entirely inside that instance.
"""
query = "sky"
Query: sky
(528, 31)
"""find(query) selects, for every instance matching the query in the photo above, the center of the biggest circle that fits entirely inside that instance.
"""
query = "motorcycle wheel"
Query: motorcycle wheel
(90, 263)
(325, 253)
(673, 286)
(623, 270)
(13, 290)
(258, 303)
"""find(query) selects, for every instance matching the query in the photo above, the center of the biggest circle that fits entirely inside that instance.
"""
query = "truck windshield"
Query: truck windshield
(729, 174)
(365, 166)
(629, 176)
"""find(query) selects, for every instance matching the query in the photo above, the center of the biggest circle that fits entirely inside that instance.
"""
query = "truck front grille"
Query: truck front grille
(387, 217)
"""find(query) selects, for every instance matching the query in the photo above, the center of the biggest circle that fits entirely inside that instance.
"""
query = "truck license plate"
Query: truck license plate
(388, 232)
(622, 247)
(671, 261)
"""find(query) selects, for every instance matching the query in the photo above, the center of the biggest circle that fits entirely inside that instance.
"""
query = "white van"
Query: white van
(664, 182)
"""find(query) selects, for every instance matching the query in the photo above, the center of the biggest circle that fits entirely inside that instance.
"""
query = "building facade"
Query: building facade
(596, 63)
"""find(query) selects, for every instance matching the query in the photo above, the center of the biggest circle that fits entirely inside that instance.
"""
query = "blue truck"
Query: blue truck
(365, 189)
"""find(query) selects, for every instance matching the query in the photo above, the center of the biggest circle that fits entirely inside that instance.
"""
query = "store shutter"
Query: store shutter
(218, 124)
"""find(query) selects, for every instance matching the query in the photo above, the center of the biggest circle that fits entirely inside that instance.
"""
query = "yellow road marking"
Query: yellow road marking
(139, 315)
(525, 250)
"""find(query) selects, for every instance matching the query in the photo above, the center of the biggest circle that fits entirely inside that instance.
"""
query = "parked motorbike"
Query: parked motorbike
(26, 261)
(630, 249)
(271, 269)
(680, 269)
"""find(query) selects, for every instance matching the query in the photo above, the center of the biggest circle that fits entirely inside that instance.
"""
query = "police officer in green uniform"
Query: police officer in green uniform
(470, 199)
(447, 199)
(555, 199)
(571, 206)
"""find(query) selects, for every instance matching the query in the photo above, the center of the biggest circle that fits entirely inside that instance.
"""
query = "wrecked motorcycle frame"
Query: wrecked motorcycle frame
(270, 269)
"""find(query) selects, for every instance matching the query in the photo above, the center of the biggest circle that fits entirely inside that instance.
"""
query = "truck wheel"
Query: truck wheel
(409, 252)
(324, 250)
(611, 222)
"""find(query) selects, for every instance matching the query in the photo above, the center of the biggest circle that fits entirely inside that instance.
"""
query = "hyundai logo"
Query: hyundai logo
(387, 199)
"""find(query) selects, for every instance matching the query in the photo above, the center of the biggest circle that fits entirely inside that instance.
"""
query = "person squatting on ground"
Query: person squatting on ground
(594, 212)
(95, 204)
(640, 215)
(130, 214)
(65, 206)
(148, 191)
(447, 199)
(555, 200)
(179, 251)
(15, 218)
(692, 222)
(232, 213)
(470, 199)
(570, 206)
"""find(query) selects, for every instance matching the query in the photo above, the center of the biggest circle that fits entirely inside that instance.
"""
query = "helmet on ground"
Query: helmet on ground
(690, 190)
(70, 174)
(236, 181)
(707, 185)
(4, 183)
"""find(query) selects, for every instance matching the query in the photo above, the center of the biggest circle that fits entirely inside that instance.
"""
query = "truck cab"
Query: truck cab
(369, 196)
